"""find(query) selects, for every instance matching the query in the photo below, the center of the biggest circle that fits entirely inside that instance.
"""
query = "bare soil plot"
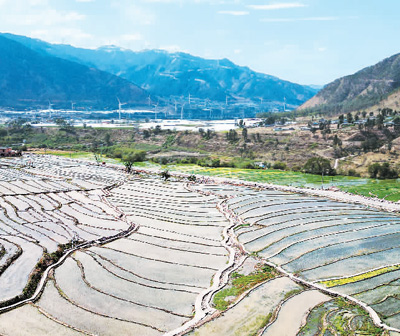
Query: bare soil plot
(293, 312)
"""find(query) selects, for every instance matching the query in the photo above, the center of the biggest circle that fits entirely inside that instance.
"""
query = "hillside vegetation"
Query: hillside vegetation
(349, 147)
(362, 90)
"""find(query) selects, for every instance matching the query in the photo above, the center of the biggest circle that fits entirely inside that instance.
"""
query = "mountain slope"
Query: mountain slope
(30, 79)
(179, 74)
(361, 90)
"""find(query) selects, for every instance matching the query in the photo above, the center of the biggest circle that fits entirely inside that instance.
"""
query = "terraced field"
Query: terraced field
(153, 281)
(347, 248)
(197, 260)
(38, 215)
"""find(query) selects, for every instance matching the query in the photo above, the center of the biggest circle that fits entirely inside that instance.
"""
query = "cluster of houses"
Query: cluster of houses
(8, 152)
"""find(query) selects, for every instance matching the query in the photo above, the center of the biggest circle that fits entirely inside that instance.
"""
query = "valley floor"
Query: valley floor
(207, 257)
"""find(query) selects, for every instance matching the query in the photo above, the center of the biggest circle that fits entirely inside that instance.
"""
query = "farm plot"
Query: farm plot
(293, 312)
(40, 215)
(348, 248)
(162, 277)
(150, 282)
(253, 313)
(80, 173)
(28, 321)
(380, 291)
(338, 317)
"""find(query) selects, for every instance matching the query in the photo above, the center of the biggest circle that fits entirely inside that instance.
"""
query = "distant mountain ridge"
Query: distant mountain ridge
(364, 89)
(166, 74)
(29, 79)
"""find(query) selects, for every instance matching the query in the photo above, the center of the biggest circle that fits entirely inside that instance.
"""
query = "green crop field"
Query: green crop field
(387, 189)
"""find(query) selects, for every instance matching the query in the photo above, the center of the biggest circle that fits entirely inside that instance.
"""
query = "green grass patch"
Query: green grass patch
(275, 176)
(339, 317)
(69, 154)
(241, 283)
(385, 189)
(292, 293)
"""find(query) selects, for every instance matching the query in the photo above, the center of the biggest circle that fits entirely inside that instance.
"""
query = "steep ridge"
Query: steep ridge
(361, 90)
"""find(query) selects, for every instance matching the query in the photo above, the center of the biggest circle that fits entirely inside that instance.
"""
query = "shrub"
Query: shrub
(353, 172)
(319, 165)
(296, 168)
(383, 171)
(279, 165)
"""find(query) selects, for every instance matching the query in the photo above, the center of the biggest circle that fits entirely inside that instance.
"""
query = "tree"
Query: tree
(232, 136)
(319, 166)
(337, 141)
(157, 130)
(64, 125)
(269, 120)
(244, 134)
(107, 139)
(371, 142)
(128, 165)
(165, 174)
(3, 132)
(146, 134)
(370, 123)
(386, 172)
(132, 157)
(97, 157)
(279, 165)
(373, 170)
(379, 121)
(396, 122)
(350, 119)
(383, 171)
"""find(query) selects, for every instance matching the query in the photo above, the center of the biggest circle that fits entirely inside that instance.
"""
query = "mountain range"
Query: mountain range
(98, 76)
(32, 79)
(374, 86)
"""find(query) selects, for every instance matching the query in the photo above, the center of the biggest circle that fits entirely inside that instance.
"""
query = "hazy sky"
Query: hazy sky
(304, 41)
